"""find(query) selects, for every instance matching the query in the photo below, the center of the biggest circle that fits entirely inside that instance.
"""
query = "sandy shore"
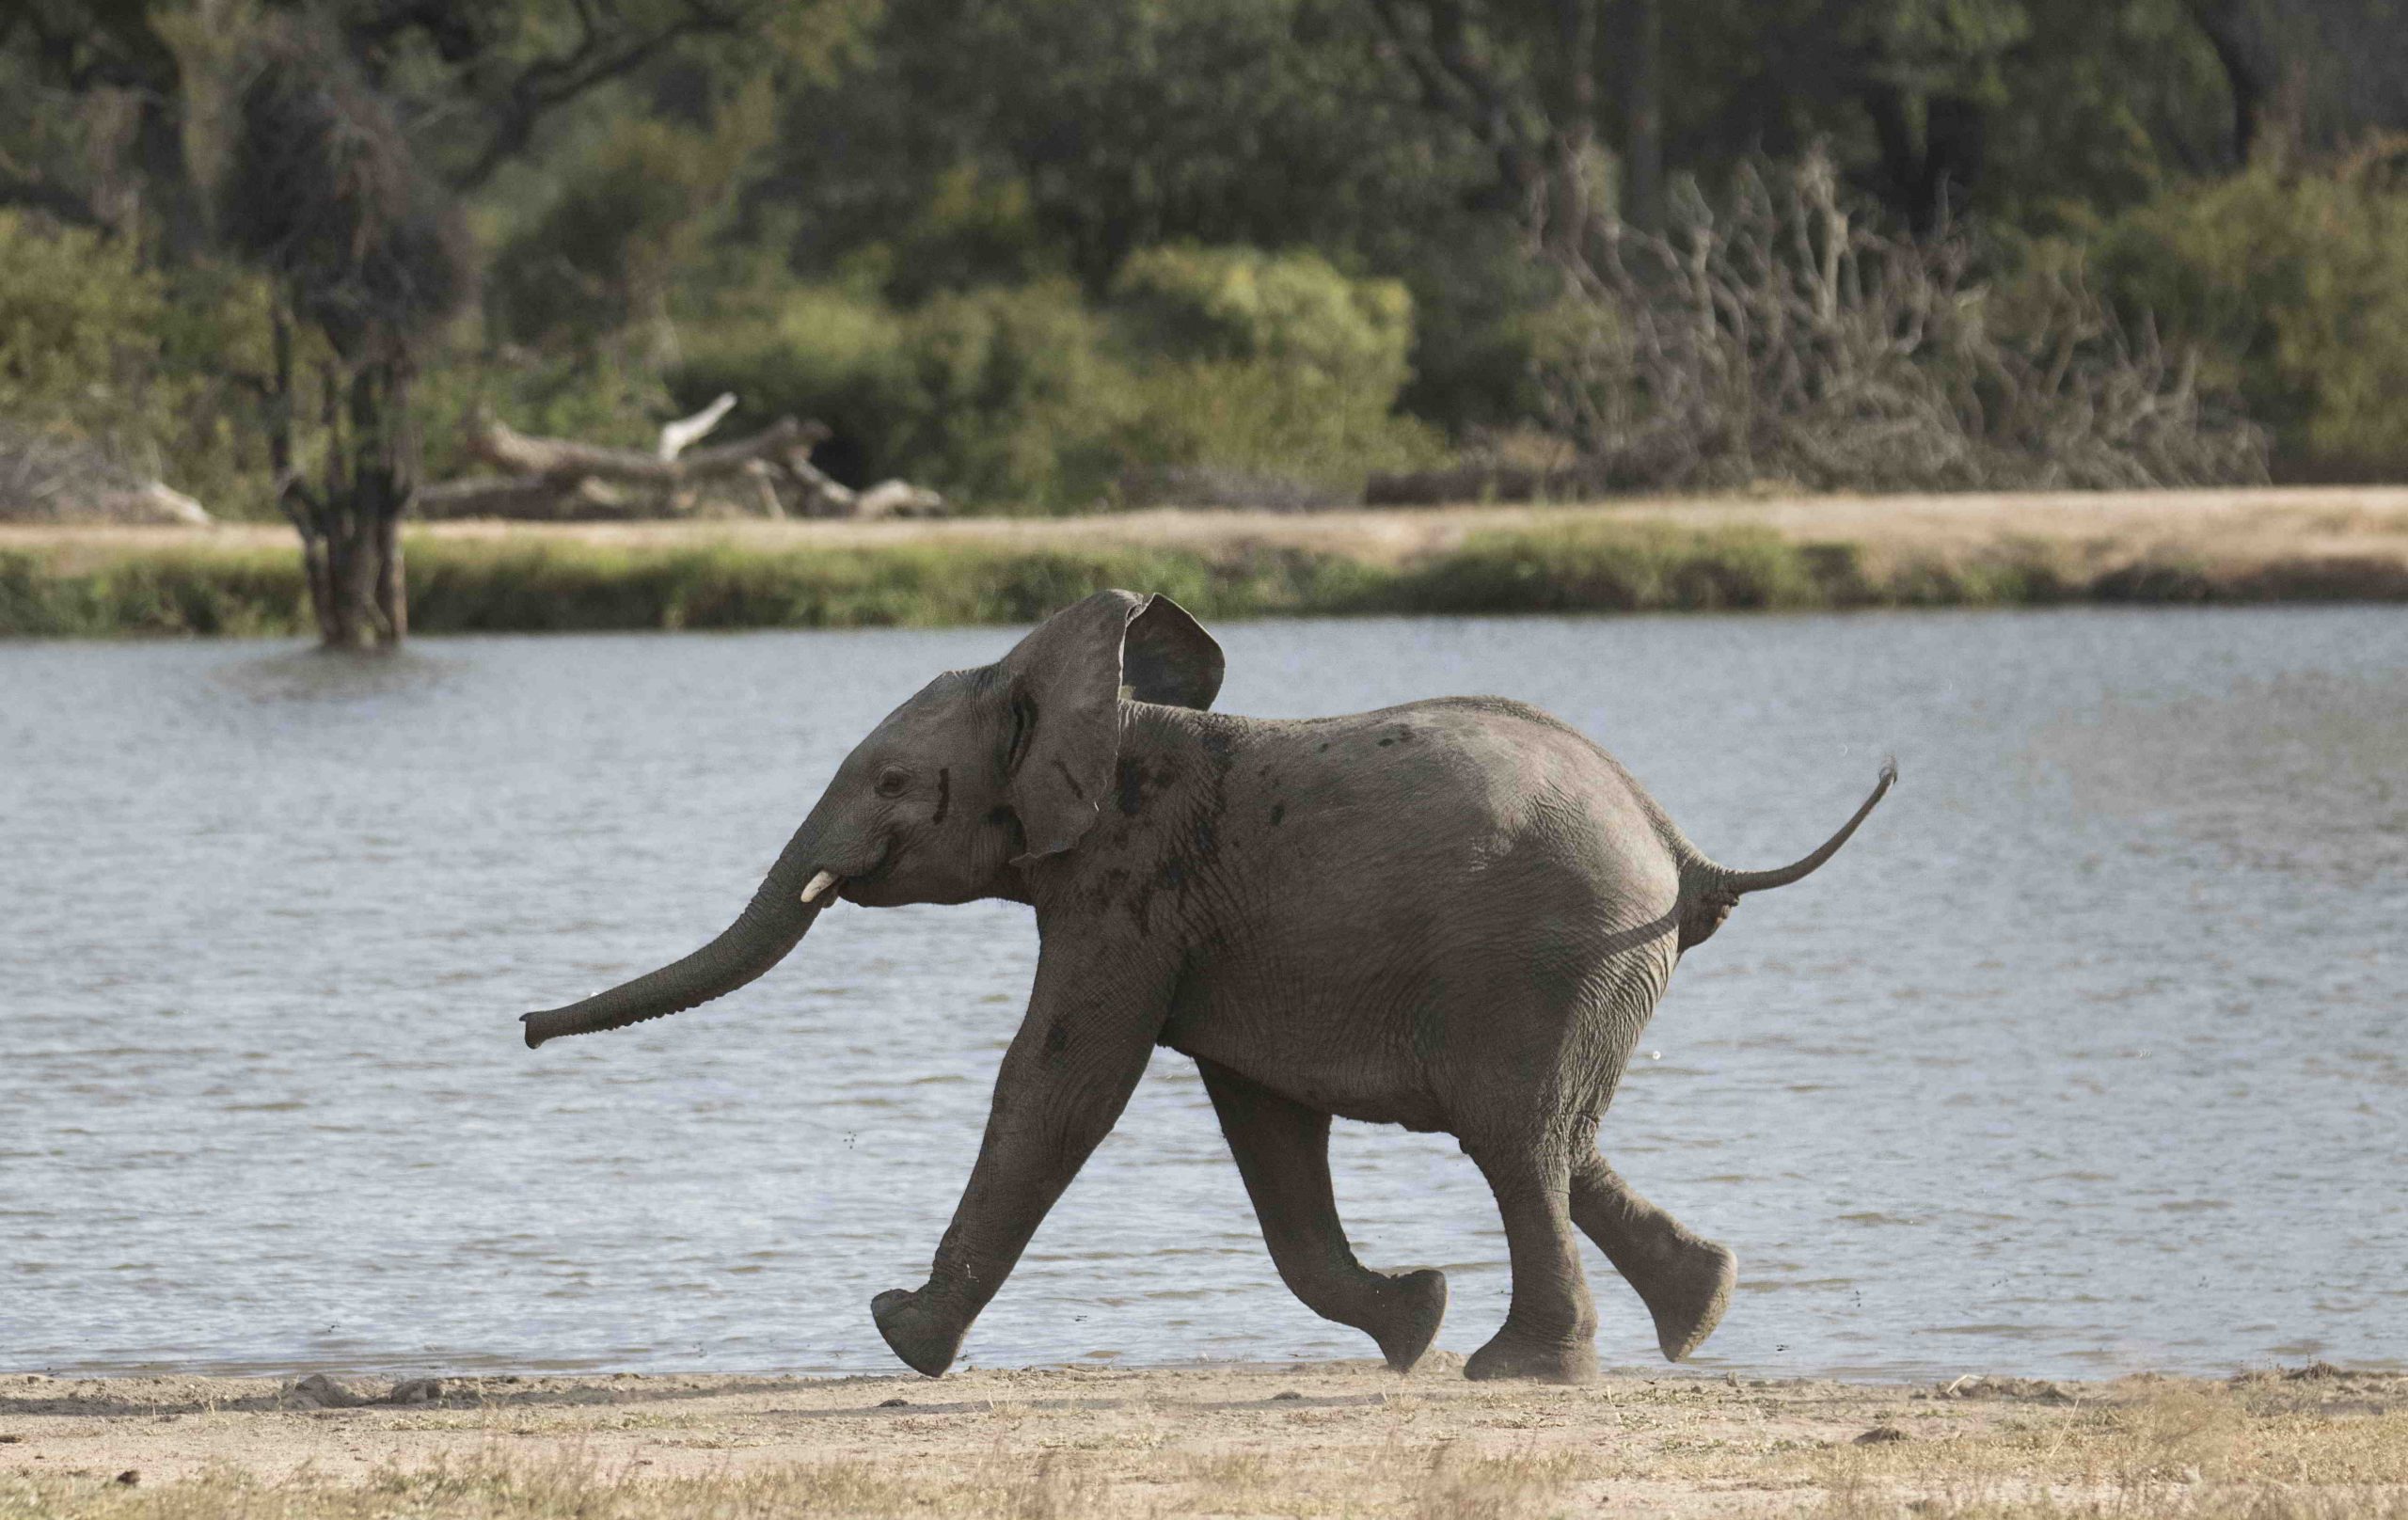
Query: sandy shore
(1335, 1439)
(1785, 553)
(2216, 527)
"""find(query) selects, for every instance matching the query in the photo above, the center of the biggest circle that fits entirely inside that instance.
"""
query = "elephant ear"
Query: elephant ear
(1065, 681)
(1166, 657)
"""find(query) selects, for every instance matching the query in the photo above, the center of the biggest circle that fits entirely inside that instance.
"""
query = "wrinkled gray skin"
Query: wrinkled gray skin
(1451, 915)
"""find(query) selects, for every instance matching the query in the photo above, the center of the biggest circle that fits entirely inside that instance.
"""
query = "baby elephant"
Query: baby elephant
(1451, 915)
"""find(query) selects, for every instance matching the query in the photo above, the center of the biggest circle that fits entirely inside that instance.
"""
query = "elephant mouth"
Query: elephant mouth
(862, 881)
(827, 885)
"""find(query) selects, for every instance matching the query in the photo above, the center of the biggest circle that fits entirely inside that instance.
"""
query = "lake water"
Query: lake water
(2089, 1054)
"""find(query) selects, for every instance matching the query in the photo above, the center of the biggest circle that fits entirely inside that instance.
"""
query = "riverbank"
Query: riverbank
(1319, 1439)
(2271, 545)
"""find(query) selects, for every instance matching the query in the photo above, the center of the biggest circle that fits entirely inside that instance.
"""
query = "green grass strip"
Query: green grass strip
(466, 585)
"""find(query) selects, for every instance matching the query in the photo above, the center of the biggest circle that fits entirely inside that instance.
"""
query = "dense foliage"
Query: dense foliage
(1046, 255)
(2296, 288)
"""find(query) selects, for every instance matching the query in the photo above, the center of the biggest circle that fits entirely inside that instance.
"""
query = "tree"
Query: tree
(1523, 77)
(2310, 76)
(369, 253)
(353, 127)
(1932, 107)
(90, 51)
(994, 140)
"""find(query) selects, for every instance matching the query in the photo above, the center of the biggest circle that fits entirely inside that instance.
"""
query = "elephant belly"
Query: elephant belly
(1344, 1049)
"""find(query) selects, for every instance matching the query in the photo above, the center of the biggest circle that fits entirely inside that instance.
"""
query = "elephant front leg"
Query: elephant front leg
(1282, 1151)
(1068, 1073)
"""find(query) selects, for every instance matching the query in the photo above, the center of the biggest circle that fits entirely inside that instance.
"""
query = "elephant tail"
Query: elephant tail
(1737, 883)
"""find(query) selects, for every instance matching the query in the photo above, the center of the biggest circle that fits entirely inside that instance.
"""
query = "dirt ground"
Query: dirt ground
(2215, 527)
(1334, 1440)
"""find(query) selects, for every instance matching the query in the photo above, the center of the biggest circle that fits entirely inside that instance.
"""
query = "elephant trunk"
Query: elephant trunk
(770, 926)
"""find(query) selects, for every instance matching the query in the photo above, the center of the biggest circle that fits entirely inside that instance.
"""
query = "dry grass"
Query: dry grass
(1773, 552)
(1432, 1485)
(2256, 1450)
(2306, 519)
(1314, 1442)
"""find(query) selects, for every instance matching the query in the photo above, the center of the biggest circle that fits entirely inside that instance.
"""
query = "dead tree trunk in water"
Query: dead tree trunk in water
(368, 255)
(372, 469)
(350, 521)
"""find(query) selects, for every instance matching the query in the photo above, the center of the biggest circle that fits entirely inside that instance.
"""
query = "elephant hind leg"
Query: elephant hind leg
(1550, 1329)
(1282, 1151)
(1684, 1279)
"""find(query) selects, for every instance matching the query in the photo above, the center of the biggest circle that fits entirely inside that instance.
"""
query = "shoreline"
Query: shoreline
(1309, 1438)
(1772, 553)
(394, 1369)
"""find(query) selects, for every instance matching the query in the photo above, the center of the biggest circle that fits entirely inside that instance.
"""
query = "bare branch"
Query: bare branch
(549, 83)
(1777, 338)
(678, 436)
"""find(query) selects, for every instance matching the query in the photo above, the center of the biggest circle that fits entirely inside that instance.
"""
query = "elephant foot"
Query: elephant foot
(1412, 1303)
(925, 1339)
(1509, 1355)
(1692, 1294)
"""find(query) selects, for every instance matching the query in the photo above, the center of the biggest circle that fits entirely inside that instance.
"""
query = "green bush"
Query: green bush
(1263, 364)
(975, 229)
(155, 370)
(1001, 397)
(1190, 303)
(79, 326)
(203, 421)
(1012, 389)
(1268, 422)
(2296, 288)
(1027, 397)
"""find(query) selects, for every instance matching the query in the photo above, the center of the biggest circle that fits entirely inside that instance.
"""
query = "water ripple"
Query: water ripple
(2103, 1002)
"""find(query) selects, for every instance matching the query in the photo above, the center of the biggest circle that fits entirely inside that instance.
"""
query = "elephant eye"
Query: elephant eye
(893, 782)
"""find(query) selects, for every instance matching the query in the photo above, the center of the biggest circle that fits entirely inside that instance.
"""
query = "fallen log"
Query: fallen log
(503, 447)
(561, 479)
(45, 478)
(676, 436)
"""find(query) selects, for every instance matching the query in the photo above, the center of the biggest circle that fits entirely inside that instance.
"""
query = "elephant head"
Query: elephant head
(980, 772)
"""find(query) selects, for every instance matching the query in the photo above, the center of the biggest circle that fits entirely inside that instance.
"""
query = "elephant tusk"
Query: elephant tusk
(818, 884)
